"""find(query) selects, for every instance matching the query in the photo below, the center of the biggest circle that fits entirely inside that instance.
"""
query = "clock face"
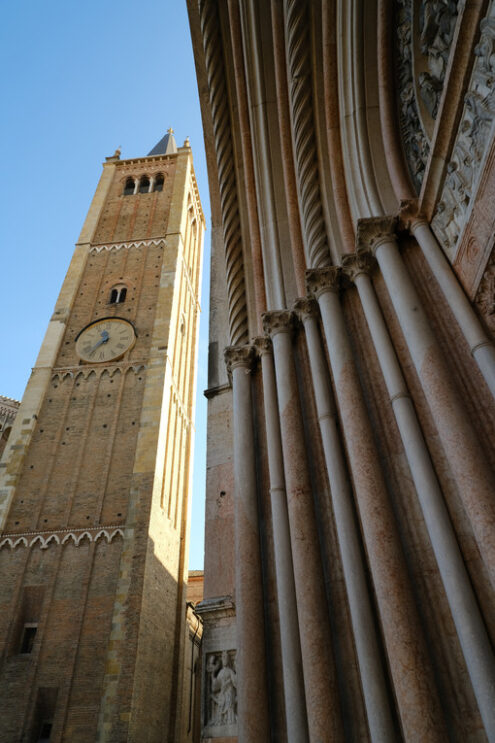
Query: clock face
(105, 340)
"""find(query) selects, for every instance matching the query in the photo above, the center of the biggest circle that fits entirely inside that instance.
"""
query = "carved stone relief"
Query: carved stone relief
(221, 689)
(474, 134)
(485, 297)
(437, 20)
(424, 38)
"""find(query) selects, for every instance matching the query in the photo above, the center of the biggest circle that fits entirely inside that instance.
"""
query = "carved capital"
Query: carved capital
(239, 356)
(306, 307)
(262, 344)
(278, 321)
(320, 280)
(409, 215)
(373, 232)
(354, 264)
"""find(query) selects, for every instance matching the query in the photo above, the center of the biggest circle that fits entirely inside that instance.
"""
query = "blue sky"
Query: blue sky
(79, 79)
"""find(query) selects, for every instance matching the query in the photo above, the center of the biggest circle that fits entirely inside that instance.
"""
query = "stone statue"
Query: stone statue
(223, 690)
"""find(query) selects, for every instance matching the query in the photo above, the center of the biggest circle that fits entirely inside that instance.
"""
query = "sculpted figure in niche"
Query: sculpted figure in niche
(223, 690)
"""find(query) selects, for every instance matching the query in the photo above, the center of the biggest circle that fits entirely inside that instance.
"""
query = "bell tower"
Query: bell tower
(94, 480)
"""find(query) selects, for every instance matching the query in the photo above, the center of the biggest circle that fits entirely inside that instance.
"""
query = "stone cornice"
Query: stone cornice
(354, 264)
(216, 607)
(320, 280)
(374, 231)
(278, 321)
(239, 356)
(306, 307)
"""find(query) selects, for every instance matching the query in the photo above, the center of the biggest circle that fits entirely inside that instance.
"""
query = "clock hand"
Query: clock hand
(104, 339)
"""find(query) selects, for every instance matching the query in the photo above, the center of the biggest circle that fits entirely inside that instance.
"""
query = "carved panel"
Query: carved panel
(471, 145)
(485, 298)
(220, 708)
(424, 37)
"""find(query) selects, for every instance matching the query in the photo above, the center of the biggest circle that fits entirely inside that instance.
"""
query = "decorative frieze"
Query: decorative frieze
(319, 280)
(474, 135)
(127, 245)
(278, 321)
(485, 297)
(60, 537)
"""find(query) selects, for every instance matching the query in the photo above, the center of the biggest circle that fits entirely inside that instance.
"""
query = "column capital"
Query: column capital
(262, 344)
(306, 307)
(239, 356)
(354, 264)
(278, 321)
(409, 215)
(320, 280)
(374, 231)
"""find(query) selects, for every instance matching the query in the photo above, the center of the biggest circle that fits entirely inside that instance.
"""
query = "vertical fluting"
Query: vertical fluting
(295, 707)
(482, 348)
(475, 480)
(252, 698)
(298, 48)
(322, 700)
(219, 102)
(468, 621)
(373, 677)
(414, 687)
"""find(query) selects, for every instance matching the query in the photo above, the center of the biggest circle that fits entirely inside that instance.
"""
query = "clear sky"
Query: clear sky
(79, 79)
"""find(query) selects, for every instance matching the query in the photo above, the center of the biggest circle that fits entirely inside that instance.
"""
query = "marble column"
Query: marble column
(414, 687)
(252, 694)
(468, 621)
(473, 475)
(295, 706)
(322, 700)
(372, 673)
(481, 346)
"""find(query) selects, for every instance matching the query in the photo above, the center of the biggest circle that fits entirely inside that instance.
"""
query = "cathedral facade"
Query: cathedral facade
(97, 642)
(350, 509)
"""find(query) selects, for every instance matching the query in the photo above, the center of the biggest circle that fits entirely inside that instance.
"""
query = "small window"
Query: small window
(45, 731)
(27, 640)
(144, 185)
(118, 294)
(129, 187)
(158, 183)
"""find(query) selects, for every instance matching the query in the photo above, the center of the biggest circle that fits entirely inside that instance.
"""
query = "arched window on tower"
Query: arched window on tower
(129, 187)
(118, 294)
(144, 184)
(158, 183)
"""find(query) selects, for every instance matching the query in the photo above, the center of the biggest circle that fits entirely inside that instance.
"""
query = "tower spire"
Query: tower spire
(166, 145)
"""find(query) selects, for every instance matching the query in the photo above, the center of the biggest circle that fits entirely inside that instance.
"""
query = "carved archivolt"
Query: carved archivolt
(424, 38)
(301, 101)
(45, 539)
(210, 27)
(473, 138)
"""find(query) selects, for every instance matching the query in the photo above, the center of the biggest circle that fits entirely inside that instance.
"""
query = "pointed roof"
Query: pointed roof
(166, 145)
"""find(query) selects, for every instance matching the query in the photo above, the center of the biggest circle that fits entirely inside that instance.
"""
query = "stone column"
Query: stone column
(373, 677)
(481, 346)
(468, 621)
(136, 186)
(252, 706)
(418, 705)
(322, 702)
(152, 183)
(295, 707)
(475, 480)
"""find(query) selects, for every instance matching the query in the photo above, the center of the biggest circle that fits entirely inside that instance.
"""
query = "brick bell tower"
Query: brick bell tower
(94, 481)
